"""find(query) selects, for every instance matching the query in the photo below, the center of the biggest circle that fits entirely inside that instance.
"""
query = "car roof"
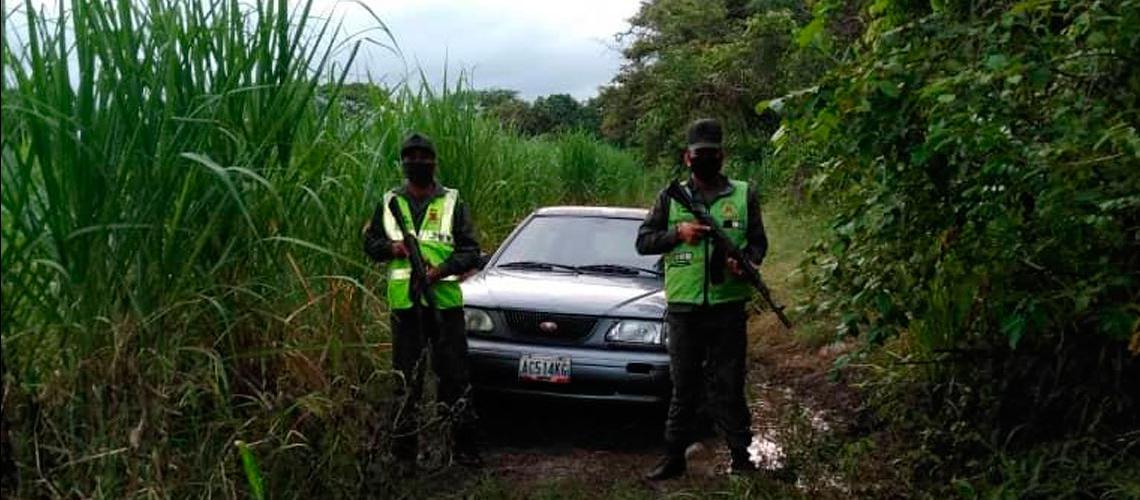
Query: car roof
(581, 211)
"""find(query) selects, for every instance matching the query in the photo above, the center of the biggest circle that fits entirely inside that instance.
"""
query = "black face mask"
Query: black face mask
(420, 173)
(705, 168)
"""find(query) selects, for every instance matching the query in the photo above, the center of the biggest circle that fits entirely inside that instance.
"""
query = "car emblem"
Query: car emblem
(548, 327)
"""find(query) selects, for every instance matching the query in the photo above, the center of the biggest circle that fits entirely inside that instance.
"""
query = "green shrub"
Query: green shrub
(980, 160)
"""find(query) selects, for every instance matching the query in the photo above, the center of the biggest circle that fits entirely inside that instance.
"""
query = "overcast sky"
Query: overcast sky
(537, 47)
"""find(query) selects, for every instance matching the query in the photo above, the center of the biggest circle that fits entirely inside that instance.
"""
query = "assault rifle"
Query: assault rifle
(724, 246)
(419, 288)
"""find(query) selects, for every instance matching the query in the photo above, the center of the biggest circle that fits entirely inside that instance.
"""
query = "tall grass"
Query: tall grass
(182, 200)
(502, 174)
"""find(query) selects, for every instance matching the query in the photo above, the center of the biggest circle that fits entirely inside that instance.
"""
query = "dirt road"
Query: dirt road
(602, 450)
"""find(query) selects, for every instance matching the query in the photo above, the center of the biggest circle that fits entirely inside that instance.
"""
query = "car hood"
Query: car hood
(566, 293)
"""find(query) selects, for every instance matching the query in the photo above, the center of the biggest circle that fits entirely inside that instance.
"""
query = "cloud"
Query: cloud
(535, 47)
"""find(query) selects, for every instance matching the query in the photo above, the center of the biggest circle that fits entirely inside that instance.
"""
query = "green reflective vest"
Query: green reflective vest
(436, 245)
(687, 266)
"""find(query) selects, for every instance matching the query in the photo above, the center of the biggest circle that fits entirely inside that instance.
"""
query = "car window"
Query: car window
(578, 241)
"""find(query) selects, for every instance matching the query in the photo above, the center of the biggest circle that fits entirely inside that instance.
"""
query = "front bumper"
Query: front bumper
(595, 374)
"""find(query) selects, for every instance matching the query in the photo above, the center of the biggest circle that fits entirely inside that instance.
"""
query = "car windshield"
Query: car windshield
(590, 244)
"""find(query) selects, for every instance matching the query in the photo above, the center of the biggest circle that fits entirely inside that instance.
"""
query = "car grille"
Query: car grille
(527, 323)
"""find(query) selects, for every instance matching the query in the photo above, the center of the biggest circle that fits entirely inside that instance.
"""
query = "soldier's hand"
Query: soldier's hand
(735, 268)
(690, 232)
(433, 274)
(399, 251)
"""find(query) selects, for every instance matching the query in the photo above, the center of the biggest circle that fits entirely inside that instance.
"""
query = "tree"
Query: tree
(693, 58)
(552, 113)
(556, 112)
(979, 162)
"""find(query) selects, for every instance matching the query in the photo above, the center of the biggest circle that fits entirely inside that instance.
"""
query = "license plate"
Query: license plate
(553, 369)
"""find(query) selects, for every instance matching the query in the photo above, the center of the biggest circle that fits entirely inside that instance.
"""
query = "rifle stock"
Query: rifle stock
(678, 192)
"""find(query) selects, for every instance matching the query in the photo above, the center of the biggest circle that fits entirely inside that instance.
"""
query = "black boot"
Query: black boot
(742, 461)
(466, 450)
(404, 452)
(670, 467)
(467, 455)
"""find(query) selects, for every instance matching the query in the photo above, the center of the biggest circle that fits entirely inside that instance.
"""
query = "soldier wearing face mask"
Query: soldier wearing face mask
(706, 298)
(446, 236)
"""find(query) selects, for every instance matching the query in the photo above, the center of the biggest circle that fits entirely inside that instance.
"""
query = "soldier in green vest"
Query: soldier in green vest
(706, 297)
(446, 235)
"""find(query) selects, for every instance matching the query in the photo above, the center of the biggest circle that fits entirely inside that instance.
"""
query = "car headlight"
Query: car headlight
(638, 332)
(477, 320)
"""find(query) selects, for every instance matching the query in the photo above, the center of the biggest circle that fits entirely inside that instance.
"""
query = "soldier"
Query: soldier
(706, 312)
(447, 242)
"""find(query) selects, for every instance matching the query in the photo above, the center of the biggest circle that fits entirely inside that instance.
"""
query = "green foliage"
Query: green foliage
(549, 114)
(980, 161)
(184, 187)
(689, 59)
(929, 427)
(252, 471)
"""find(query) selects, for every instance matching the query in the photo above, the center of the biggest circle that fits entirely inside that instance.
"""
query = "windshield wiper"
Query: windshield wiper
(533, 264)
(619, 268)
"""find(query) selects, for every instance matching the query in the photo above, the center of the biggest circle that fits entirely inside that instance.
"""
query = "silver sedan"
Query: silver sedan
(567, 308)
